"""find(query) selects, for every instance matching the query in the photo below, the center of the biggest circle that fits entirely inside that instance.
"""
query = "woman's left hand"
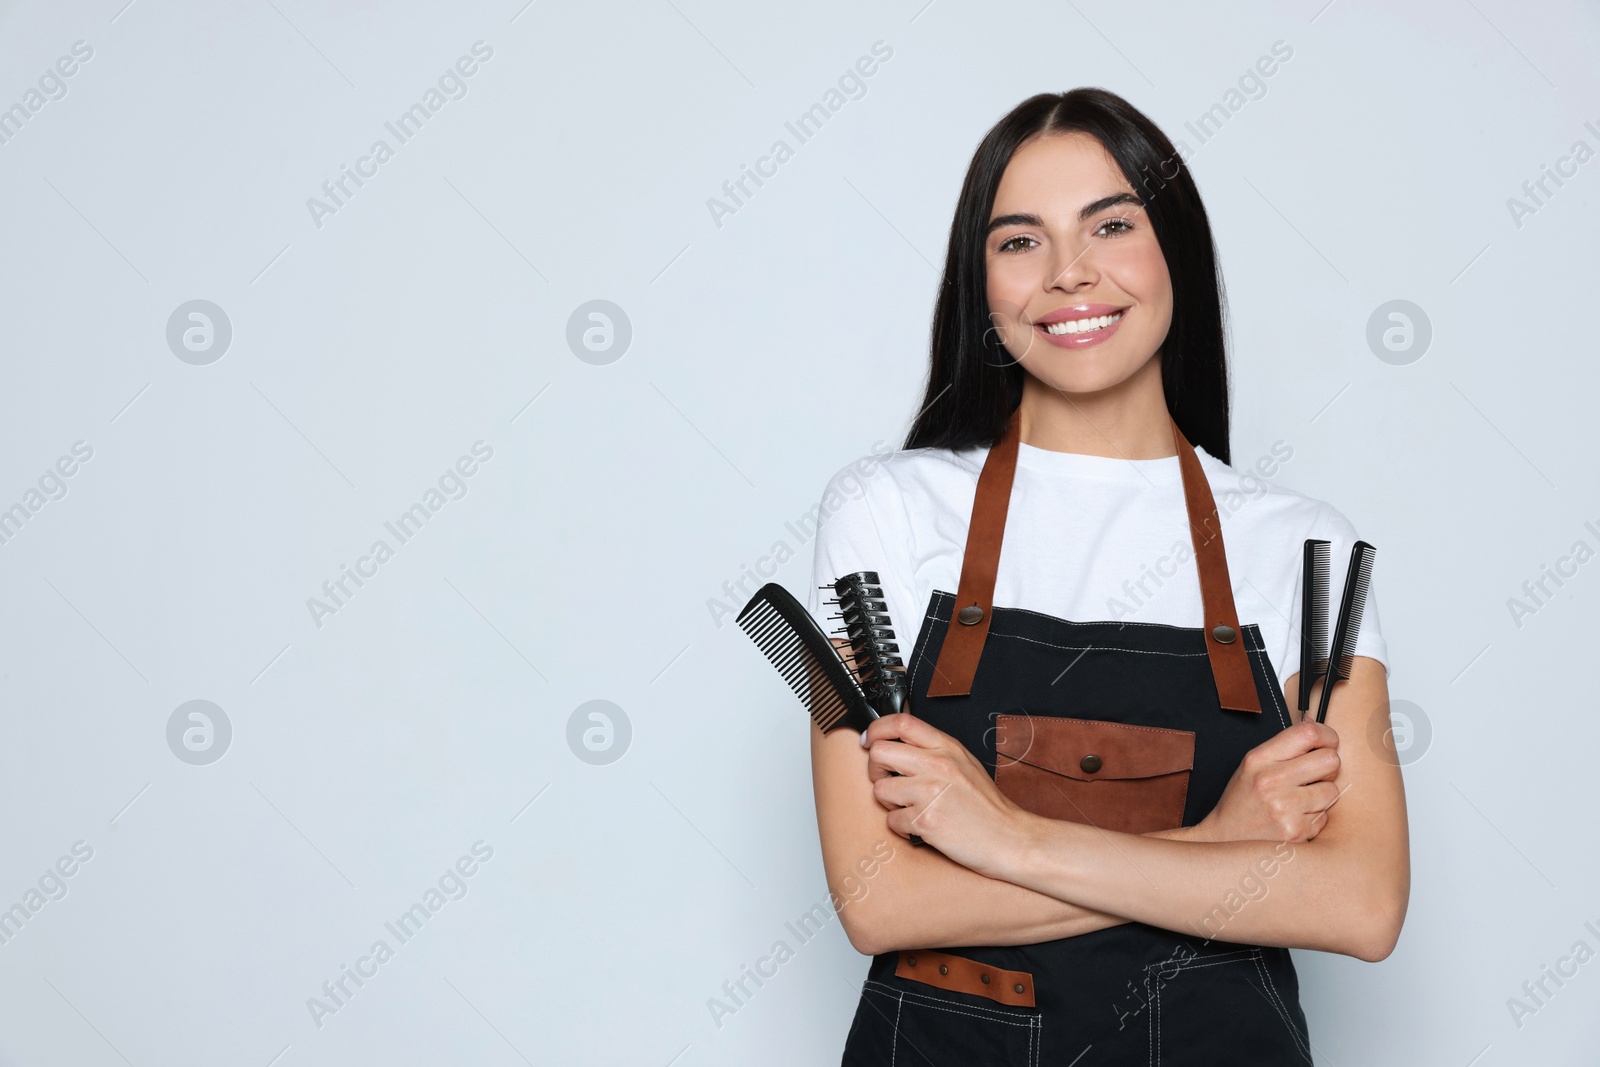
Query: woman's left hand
(944, 795)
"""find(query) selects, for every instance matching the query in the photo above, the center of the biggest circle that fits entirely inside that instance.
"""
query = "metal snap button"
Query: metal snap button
(985, 978)
(943, 969)
(912, 960)
(1018, 987)
(1090, 763)
(970, 615)
(1224, 633)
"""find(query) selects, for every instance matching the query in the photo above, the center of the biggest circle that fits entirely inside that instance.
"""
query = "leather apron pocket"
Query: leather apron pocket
(1116, 776)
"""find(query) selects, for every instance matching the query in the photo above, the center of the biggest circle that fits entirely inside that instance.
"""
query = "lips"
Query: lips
(1079, 311)
(1081, 326)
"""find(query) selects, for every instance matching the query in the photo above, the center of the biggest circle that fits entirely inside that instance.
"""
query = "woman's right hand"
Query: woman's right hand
(1281, 790)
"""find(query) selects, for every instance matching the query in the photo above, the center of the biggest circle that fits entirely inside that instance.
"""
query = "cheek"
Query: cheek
(1007, 288)
(1144, 270)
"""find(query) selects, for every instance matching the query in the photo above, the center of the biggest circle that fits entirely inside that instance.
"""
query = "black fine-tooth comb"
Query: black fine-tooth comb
(1342, 653)
(867, 625)
(1313, 616)
(787, 635)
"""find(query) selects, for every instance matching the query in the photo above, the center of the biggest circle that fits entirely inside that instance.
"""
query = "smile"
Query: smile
(1071, 326)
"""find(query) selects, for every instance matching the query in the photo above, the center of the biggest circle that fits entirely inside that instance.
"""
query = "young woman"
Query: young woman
(1125, 824)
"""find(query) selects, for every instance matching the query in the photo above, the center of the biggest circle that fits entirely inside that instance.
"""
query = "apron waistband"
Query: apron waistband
(962, 975)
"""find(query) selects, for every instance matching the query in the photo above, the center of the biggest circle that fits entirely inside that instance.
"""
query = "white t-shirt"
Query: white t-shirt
(1087, 538)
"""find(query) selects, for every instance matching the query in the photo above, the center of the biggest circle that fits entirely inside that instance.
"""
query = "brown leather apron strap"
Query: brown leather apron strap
(980, 562)
(963, 639)
(1230, 661)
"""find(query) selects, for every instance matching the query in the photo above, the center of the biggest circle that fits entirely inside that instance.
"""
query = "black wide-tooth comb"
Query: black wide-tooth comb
(787, 635)
(1314, 570)
(1342, 654)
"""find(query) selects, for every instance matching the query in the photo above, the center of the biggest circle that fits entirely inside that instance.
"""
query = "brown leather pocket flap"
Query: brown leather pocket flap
(1090, 749)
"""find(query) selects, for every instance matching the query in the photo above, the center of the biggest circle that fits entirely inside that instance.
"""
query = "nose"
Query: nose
(1071, 267)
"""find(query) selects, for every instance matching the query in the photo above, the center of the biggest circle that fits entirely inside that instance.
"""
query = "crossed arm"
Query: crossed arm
(1308, 847)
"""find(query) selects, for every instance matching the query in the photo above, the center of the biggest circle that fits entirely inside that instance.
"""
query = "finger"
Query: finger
(886, 758)
(905, 727)
(1313, 766)
(894, 792)
(1297, 740)
(1320, 796)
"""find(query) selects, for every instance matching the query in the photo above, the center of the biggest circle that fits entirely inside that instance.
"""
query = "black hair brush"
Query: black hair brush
(866, 623)
(834, 696)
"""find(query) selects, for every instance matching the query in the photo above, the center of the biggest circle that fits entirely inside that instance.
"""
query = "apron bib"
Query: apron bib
(1140, 695)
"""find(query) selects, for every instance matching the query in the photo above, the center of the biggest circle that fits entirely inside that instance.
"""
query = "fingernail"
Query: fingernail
(864, 740)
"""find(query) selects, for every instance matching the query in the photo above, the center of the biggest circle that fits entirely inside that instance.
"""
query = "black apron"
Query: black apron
(1127, 994)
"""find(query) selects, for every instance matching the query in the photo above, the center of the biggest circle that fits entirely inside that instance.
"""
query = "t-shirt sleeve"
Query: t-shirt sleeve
(860, 528)
(1333, 527)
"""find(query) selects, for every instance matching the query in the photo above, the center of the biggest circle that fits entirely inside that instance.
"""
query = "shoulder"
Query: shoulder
(1255, 493)
(907, 477)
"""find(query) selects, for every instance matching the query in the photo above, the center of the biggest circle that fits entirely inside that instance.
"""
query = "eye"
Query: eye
(1124, 224)
(1008, 244)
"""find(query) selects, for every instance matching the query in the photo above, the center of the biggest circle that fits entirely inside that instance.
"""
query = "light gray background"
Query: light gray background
(432, 311)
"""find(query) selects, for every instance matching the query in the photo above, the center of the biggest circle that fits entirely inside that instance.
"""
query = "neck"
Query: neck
(1127, 421)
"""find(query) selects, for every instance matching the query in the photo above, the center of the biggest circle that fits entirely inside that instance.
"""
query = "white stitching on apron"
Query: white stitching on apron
(1099, 648)
(972, 1010)
(1303, 1042)
(1221, 958)
(933, 614)
(894, 1042)
(1270, 674)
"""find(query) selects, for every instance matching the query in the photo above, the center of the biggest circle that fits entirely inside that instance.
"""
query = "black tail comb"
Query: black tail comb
(787, 635)
(1313, 617)
(1342, 654)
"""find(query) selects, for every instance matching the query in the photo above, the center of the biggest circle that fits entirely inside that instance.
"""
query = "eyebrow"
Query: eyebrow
(1089, 210)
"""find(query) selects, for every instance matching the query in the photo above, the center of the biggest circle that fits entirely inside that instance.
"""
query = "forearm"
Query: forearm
(1329, 894)
(934, 902)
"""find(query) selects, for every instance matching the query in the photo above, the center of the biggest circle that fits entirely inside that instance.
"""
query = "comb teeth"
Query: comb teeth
(1313, 617)
(1321, 565)
(1345, 655)
(790, 638)
(1342, 654)
(783, 647)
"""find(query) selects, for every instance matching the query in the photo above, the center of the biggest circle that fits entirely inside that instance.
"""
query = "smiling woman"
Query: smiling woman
(1096, 790)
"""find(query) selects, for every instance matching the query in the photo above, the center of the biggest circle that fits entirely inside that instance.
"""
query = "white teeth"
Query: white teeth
(1083, 325)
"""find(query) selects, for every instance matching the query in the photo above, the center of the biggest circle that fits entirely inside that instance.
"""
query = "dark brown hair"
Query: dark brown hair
(973, 383)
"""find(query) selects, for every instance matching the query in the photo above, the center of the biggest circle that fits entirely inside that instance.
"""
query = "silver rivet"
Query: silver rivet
(1224, 634)
(970, 615)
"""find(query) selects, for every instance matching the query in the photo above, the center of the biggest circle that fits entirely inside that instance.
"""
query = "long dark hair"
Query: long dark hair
(973, 383)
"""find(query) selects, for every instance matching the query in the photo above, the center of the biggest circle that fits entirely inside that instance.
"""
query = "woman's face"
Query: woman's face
(1057, 252)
